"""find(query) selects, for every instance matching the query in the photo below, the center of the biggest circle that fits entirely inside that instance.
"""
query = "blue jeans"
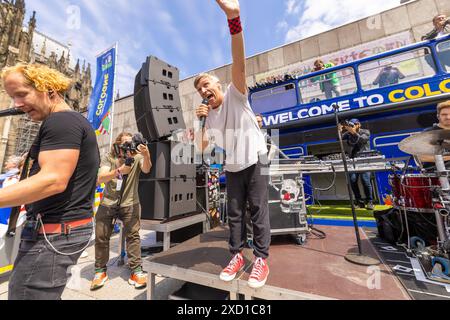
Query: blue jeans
(365, 179)
(39, 272)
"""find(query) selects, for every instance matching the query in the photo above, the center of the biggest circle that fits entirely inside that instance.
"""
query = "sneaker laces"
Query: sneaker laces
(139, 274)
(98, 275)
(233, 263)
(258, 268)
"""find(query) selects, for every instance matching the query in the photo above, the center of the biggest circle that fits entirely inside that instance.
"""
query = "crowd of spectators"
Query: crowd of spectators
(274, 80)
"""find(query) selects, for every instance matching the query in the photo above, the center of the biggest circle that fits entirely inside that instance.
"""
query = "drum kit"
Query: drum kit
(427, 193)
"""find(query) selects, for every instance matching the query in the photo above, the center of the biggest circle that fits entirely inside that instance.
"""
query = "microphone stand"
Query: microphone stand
(357, 258)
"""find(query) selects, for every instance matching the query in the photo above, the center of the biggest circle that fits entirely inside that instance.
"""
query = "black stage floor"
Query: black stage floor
(411, 276)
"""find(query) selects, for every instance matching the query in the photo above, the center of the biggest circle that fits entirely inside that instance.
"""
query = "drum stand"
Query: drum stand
(436, 262)
(445, 199)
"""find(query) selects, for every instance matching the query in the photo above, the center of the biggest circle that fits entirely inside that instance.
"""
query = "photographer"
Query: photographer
(120, 170)
(359, 140)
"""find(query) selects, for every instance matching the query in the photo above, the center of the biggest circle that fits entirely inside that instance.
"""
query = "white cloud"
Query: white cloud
(187, 34)
(293, 7)
(306, 29)
(126, 74)
(96, 10)
(282, 25)
(320, 15)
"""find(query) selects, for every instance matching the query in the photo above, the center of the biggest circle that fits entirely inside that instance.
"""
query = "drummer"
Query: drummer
(443, 115)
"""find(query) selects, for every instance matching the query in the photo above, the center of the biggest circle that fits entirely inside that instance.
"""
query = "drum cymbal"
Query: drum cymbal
(431, 143)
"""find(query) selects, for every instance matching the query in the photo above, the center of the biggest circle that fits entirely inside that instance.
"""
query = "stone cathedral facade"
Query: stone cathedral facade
(18, 38)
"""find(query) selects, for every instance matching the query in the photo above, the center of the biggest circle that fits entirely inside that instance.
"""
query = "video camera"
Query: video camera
(131, 147)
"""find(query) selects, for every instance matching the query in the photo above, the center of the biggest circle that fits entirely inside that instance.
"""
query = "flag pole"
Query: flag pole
(111, 126)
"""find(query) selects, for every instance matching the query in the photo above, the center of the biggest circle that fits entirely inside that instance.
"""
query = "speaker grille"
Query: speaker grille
(157, 103)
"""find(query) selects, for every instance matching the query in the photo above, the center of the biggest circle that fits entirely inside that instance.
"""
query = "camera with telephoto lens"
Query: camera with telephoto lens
(346, 123)
(131, 147)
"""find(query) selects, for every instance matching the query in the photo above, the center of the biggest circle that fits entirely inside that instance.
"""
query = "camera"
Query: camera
(130, 146)
(346, 123)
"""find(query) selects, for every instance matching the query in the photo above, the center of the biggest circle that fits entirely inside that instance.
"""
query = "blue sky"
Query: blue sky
(189, 34)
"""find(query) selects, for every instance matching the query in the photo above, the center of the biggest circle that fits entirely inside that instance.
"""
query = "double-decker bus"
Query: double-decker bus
(392, 109)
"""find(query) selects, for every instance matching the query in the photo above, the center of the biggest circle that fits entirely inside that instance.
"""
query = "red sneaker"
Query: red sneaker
(236, 264)
(259, 274)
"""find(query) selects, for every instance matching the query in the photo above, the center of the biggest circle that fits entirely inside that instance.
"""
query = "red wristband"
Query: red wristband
(235, 25)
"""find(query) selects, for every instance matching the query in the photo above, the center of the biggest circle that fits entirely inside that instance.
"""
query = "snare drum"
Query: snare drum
(414, 191)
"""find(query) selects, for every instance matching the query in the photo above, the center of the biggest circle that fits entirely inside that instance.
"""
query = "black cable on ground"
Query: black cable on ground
(205, 212)
(319, 234)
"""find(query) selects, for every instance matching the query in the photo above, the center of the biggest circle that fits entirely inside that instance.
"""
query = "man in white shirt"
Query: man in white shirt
(231, 124)
(12, 168)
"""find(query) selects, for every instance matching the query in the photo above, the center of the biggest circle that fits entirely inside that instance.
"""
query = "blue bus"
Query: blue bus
(302, 111)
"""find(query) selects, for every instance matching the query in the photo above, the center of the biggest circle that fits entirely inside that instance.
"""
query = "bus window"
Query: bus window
(327, 86)
(273, 99)
(396, 69)
(443, 50)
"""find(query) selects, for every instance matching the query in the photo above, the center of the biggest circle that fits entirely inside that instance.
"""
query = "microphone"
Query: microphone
(203, 118)
(11, 112)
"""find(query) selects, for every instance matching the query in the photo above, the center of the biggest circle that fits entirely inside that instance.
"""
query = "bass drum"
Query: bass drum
(414, 191)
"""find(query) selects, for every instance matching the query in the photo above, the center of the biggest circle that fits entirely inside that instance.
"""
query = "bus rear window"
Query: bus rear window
(274, 99)
(327, 86)
(443, 50)
(404, 67)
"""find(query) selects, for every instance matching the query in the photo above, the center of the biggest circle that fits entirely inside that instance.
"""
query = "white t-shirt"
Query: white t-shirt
(10, 181)
(234, 128)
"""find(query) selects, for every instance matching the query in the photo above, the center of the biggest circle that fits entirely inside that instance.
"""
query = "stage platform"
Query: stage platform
(315, 271)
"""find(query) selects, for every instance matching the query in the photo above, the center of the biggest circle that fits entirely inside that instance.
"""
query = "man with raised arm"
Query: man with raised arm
(231, 123)
(441, 27)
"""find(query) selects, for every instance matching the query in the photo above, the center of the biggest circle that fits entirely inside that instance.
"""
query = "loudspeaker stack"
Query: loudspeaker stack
(169, 190)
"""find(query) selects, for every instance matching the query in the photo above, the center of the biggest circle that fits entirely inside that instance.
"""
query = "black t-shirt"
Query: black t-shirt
(68, 130)
(433, 128)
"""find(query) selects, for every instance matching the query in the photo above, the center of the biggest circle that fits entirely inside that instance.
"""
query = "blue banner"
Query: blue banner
(102, 97)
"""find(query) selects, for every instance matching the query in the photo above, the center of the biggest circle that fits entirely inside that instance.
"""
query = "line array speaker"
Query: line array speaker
(165, 199)
(157, 102)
